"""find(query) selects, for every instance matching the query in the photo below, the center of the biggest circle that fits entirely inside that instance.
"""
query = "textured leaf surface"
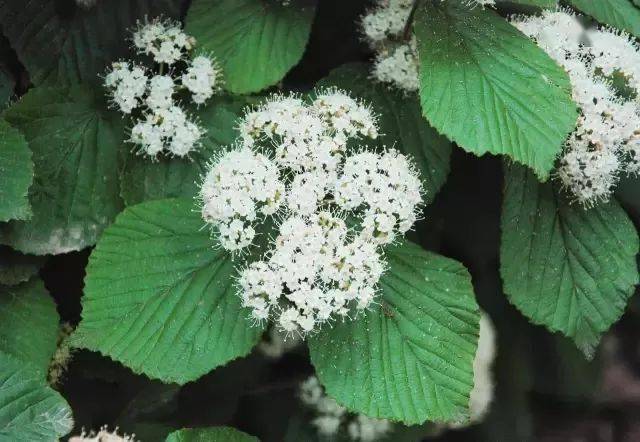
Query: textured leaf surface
(569, 269)
(144, 180)
(411, 359)
(75, 146)
(621, 14)
(16, 267)
(489, 88)
(160, 299)
(64, 44)
(28, 325)
(16, 174)
(30, 411)
(216, 434)
(256, 42)
(401, 124)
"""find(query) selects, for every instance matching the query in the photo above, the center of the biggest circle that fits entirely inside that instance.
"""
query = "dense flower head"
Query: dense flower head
(164, 40)
(331, 418)
(604, 145)
(332, 207)
(162, 124)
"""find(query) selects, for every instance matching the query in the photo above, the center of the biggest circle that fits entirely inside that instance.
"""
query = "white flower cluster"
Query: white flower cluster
(104, 435)
(606, 142)
(163, 125)
(386, 31)
(332, 419)
(291, 165)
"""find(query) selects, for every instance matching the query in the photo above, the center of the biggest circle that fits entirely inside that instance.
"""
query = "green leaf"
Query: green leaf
(16, 174)
(621, 14)
(489, 88)
(144, 180)
(213, 434)
(16, 267)
(160, 298)
(29, 325)
(75, 145)
(256, 42)
(411, 359)
(30, 411)
(66, 46)
(401, 124)
(569, 269)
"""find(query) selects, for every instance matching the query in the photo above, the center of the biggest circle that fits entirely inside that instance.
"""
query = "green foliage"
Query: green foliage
(28, 325)
(411, 358)
(619, 13)
(401, 124)
(29, 409)
(489, 88)
(256, 42)
(569, 269)
(143, 179)
(75, 144)
(16, 174)
(215, 434)
(160, 297)
(63, 44)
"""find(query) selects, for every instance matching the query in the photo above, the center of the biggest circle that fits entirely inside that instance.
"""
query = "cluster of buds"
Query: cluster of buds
(162, 124)
(291, 166)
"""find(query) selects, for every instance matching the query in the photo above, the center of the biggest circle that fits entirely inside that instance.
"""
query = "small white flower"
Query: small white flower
(164, 40)
(127, 83)
(202, 78)
(160, 92)
(166, 128)
(398, 66)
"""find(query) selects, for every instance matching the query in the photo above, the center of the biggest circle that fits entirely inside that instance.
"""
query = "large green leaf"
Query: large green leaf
(489, 88)
(213, 434)
(28, 325)
(144, 180)
(63, 44)
(160, 298)
(75, 145)
(401, 124)
(30, 411)
(16, 174)
(255, 41)
(562, 266)
(621, 14)
(410, 359)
